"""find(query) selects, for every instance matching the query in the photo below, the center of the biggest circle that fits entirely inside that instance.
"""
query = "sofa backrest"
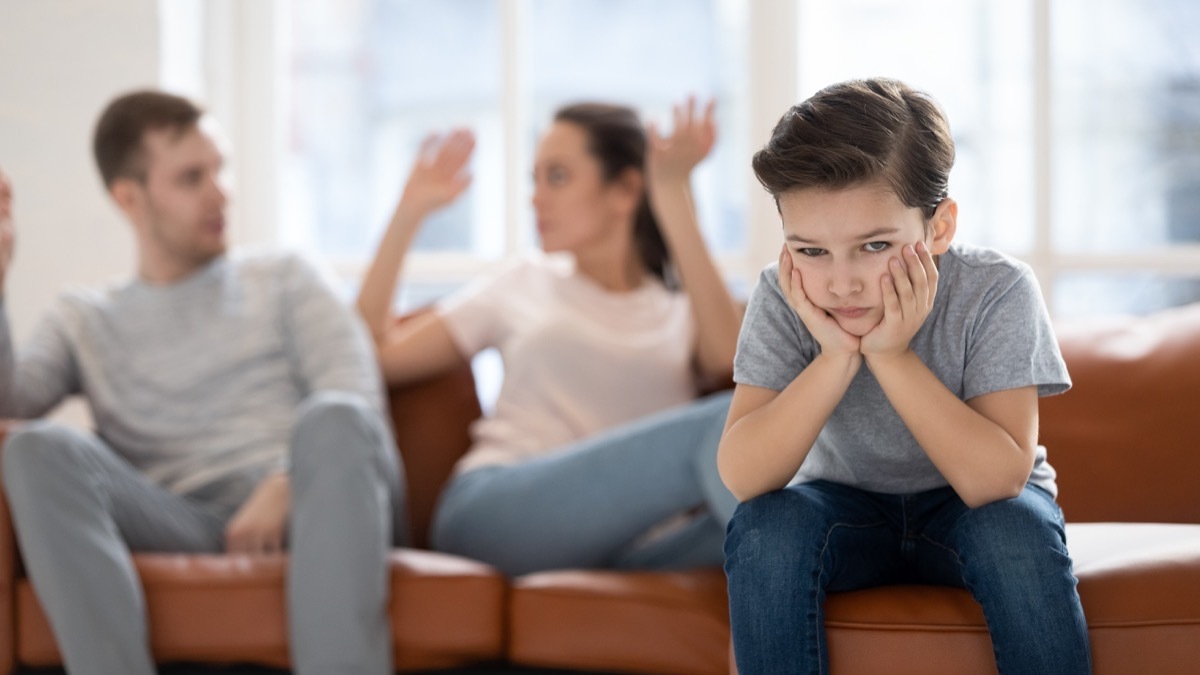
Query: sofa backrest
(431, 421)
(1125, 439)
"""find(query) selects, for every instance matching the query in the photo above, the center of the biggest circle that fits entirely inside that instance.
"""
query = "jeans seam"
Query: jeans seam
(821, 572)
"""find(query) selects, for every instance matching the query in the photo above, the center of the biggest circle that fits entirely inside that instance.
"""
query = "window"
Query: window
(1077, 121)
(1126, 154)
(369, 80)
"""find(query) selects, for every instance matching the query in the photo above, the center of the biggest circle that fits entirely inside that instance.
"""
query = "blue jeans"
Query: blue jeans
(786, 549)
(587, 505)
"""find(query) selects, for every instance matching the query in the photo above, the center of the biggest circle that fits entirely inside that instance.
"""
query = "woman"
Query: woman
(597, 454)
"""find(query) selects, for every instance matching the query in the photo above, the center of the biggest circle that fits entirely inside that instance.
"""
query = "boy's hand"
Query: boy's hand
(438, 176)
(824, 328)
(908, 293)
(7, 233)
(691, 139)
(258, 526)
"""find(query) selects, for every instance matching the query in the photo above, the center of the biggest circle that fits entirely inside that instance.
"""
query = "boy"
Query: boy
(895, 377)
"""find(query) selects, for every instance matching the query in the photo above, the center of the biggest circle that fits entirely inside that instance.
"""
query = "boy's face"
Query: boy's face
(841, 242)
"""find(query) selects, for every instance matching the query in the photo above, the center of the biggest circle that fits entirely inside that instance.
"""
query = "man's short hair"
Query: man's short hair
(118, 140)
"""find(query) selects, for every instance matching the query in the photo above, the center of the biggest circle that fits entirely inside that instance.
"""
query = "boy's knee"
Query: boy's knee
(767, 529)
(1023, 535)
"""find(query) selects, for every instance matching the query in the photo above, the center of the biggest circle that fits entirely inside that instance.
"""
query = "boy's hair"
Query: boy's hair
(860, 131)
(117, 142)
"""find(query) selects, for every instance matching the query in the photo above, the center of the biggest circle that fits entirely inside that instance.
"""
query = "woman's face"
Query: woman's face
(574, 206)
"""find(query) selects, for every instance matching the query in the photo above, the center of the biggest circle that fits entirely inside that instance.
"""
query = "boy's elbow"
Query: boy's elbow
(983, 495)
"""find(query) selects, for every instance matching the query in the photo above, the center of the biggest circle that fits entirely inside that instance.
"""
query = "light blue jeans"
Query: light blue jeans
(80, 510)
(587, 505)
(787, 548)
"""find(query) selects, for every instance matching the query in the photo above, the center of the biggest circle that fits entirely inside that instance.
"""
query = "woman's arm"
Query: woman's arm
(421, 346)
(437, 178)
(669, 167)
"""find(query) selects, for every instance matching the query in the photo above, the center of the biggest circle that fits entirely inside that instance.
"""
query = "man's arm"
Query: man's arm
(32, 384)
(329, 346)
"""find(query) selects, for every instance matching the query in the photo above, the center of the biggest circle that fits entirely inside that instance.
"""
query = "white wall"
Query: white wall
(61, 61)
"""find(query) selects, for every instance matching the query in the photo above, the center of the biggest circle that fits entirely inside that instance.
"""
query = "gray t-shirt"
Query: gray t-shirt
(988, 331)
(198, 381)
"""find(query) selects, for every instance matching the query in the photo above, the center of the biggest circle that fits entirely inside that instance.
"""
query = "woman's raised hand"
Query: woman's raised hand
(439, 175)
(691, 140)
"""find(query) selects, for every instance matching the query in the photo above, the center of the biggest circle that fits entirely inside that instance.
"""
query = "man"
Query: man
(237, 406)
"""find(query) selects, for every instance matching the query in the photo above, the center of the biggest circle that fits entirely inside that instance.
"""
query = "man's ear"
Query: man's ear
(129, 195)
(942, 226)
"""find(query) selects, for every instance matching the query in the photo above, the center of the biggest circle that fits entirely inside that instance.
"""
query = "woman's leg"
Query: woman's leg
(784, 550)
(583, 505)
(1012, 556)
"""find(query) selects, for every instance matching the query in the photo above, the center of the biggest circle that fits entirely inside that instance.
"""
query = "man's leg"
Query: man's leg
(347, 511)
(78, 509)
(585, 505)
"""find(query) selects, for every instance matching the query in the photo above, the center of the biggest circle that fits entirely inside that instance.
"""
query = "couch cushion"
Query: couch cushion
(636, 622)
(1140, 587)
(446, 611)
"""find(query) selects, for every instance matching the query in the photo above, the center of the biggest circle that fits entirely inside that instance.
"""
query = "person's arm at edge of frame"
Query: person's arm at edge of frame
(34, 384)
(669, 167)
(768, 434)
(422, 346)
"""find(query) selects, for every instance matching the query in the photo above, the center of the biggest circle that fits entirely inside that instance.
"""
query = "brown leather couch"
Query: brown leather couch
(1126, 442)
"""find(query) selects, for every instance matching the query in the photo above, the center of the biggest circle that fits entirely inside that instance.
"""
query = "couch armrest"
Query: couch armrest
(8, 574)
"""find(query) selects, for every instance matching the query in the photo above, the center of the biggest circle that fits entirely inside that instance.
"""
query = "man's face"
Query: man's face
(841, 242)
(180, 206)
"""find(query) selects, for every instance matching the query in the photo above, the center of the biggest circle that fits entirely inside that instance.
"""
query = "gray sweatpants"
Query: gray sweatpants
(79, 510)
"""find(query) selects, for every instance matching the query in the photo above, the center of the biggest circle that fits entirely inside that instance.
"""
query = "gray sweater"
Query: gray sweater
(199, 380)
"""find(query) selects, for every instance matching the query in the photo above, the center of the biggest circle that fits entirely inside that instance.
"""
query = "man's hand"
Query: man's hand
(824, 328)
(439, 175)
(7, 233)
(908, 293)
(691, 139)
(259, 526)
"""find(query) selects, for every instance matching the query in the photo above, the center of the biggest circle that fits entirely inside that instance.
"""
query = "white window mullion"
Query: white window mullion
(1042, 258)
(515, 112)
(773, 65)
(240, 55)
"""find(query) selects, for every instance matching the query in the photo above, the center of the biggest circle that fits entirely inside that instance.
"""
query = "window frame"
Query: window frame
(242, 50)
